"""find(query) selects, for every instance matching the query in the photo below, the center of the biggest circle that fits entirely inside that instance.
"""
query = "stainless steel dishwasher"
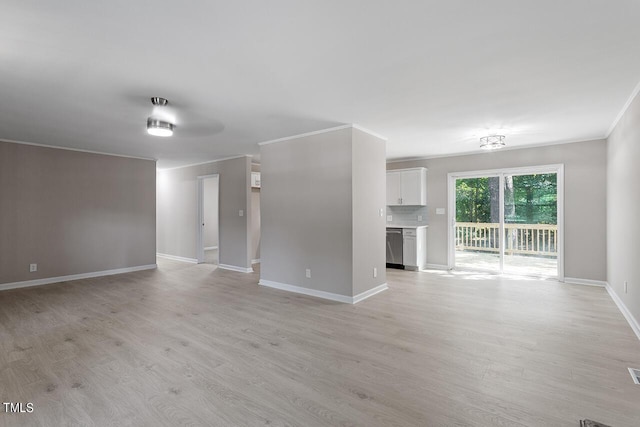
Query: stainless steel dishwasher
(394, 247)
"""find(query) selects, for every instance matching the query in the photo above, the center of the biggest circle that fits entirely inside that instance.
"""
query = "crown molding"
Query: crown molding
(80, 150)
(624, 109)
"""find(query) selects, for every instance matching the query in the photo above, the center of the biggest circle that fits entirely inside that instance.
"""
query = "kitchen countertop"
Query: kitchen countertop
(405, 226)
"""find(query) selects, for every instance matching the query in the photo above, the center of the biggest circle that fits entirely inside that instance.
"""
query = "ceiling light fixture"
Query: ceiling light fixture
(157, 127)
(492, 142)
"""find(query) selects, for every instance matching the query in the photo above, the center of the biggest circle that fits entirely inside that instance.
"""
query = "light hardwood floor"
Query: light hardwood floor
(194, 345)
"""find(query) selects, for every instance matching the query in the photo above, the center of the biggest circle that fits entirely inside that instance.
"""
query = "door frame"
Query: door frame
(199, 224)
(558, 169)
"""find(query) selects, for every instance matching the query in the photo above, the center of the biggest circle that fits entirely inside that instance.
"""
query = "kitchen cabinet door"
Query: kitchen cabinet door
(394, 181)
(413, 184)
(410, 251)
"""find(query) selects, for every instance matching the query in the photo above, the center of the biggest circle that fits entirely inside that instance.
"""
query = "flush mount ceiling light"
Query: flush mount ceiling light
(492, 142)
(157, 127)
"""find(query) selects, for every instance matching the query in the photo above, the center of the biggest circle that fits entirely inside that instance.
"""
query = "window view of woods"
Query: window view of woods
(526, 242)
(528, 199)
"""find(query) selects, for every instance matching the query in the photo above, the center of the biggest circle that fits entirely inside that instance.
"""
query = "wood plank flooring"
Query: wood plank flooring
(191, 345)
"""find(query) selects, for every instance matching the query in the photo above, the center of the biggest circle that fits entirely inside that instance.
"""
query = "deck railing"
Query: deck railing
(529, 239)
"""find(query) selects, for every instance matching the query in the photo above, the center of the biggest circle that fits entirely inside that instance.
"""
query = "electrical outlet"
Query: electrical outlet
(375, 272)
(419, 217)
(34, 267)
(626, 286)
(308, 273)
(389, 218)
(240, 212)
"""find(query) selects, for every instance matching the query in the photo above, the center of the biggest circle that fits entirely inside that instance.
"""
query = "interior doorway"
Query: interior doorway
(508, 221)
(208, 241)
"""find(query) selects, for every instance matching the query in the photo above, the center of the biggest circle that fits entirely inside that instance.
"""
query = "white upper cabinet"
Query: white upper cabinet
(255, 179)
(394, 189)
(407, 187)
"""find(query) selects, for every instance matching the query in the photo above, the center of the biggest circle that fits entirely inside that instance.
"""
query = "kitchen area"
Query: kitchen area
(406, 243)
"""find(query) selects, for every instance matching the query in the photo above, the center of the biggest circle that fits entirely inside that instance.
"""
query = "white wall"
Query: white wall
(306, 212)
(72, 212)
(623, 208)
(320, 202)
(585, 198)
(368, 197)
(177, 224)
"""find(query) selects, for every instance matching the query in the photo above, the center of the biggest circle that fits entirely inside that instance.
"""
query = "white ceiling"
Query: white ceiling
(432, 76)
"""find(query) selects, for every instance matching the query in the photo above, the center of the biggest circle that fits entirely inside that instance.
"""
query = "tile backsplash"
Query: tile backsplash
(407, 215)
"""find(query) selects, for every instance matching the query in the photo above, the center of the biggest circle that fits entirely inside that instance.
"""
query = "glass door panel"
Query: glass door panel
(477, 227)
(531, 224)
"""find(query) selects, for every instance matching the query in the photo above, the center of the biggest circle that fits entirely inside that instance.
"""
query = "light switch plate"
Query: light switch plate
(439, 211)
(240, 212)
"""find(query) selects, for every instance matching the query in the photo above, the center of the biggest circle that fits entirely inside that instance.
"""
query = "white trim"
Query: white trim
(235, 268)
(365, 130)
(302, 135)
(624, 109)
(585, 282)
(210, 248)
(558, 169)
(49, 280)
(318, 132)
(436, 267)
(177, 258)
(305, 291)
(414, 168)
(560, 219)
(523, 170)
(624, 310)
(204, 163)
(507, 148)
(35, 144)
(255, 261)
(634, 375)
(200, 209)
(451, 209)
(371, 292)
(322, 294)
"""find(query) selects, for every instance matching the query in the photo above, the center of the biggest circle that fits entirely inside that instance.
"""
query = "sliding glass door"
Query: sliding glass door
(477, 231)
(531, 224)
(507, 221)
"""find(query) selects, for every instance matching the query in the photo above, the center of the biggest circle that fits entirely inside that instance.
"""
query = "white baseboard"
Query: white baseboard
(371, 292)
(210, 248)
(322, 294)
(633, 322)
(177, 258)
(586, 282)
(255, 261)
(437, 267)
(49, 280)
(235, 268)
